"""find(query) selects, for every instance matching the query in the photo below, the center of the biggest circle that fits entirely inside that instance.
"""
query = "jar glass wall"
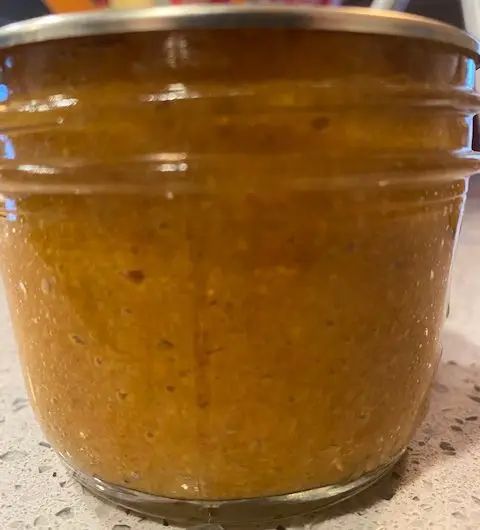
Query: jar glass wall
(226, 254)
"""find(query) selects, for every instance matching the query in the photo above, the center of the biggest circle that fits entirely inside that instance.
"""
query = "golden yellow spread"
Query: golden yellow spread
(230, 283)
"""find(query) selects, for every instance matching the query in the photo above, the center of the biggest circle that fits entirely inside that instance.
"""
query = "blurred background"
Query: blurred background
(447, 10)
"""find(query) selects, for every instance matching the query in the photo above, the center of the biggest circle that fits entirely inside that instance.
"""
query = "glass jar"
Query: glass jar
(226, 243)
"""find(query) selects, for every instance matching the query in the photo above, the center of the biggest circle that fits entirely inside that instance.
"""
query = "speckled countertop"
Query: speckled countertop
(437, 484)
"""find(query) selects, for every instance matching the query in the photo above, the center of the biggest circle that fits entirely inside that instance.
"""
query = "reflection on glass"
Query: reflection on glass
(11, 208)
(3, 93)
(8, 147)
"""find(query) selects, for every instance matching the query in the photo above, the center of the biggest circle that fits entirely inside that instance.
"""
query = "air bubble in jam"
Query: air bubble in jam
(23, 288)
(46, 285)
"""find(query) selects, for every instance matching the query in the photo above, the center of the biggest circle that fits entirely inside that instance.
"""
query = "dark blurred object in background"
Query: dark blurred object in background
(449, 11)
(11, 10)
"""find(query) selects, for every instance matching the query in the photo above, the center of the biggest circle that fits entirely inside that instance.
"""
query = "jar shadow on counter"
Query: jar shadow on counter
(449, 429)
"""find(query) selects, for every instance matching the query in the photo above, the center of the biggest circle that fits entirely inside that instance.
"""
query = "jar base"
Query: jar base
(236, 511)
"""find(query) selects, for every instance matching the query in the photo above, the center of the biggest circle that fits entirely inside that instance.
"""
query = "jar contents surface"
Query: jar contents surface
(229, 347)
(228, 280)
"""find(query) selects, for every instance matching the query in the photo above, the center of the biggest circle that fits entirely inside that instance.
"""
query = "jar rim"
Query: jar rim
(202, 16)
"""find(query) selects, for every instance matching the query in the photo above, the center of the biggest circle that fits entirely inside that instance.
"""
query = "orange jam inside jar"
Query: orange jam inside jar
(226, 244)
